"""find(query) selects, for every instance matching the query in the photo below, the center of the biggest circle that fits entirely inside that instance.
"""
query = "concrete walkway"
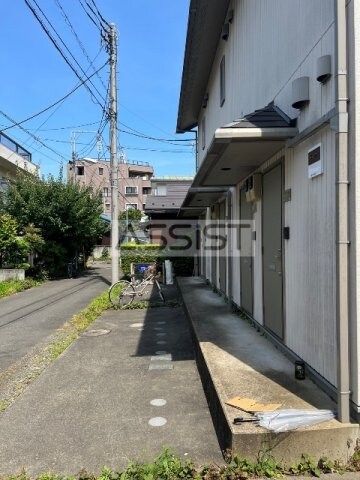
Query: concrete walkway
(237, 360)
(120, 393)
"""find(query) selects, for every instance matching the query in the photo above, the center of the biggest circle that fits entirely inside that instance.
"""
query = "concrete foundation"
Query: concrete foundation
(234, 359)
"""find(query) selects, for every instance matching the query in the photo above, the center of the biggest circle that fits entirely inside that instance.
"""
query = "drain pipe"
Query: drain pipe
(342, 180)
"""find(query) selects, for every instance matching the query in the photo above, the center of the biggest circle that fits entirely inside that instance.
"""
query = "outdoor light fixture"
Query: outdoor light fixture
(230, 16)
(300, 92)
(323, 69)
(205, 101)
(225, 31)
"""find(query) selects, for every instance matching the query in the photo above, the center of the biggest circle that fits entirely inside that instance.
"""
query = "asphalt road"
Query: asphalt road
(28, 318)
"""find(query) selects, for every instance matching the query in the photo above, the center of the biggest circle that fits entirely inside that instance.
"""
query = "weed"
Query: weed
(9, 287)
(168, 466)
(3, 405)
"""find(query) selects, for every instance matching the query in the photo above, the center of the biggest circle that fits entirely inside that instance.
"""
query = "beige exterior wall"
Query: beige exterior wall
(309, 257)
(11, 162)
(260, 65)
(130, 176)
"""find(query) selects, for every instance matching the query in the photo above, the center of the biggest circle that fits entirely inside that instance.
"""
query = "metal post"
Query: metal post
(342, 297)
(113, 159)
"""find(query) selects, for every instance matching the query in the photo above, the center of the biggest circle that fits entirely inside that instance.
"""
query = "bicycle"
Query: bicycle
(72, 268)
(123, 292)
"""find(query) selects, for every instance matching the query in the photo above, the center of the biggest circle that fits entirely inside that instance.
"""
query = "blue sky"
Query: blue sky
(150, 56)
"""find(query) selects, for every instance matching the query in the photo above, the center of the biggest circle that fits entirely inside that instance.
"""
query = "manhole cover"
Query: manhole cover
(95, 333)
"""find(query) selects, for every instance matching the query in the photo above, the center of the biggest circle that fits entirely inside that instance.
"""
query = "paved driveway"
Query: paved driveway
(28, 318)
(120, 394)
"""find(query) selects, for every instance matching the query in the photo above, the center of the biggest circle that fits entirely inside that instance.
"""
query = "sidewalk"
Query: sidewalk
(120, 393)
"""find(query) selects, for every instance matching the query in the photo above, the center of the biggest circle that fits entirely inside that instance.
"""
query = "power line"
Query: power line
(62, 128)
(32, 135)
(155, 150)
(99, 14)
(53, 41)
(97, 25)
(66, 47)
(55, 103)
(81, 45)
(164, 140)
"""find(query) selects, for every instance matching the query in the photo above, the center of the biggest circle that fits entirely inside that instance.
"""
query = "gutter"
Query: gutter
(342, 188)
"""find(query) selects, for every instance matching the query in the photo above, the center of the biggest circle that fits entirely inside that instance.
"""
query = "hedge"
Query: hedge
(152, 253)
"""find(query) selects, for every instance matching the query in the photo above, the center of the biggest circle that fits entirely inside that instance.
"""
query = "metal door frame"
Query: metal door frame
(280, 162)
(222, 204)
(252, 261)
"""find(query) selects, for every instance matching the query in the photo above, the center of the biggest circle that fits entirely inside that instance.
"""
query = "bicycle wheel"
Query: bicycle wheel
(121, 294)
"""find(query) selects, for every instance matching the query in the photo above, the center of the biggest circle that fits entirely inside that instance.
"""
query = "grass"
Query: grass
(9, 287)
(78, 324)
(168, 466)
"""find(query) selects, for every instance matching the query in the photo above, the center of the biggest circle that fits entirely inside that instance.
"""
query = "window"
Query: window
(101, 171)
(131, 190)
(80, 171)
(131, 205)
(222, 81)
(144, 205)
(107, 206)
(105, 192)
(146, 190)
(161, 190)
(203, 133)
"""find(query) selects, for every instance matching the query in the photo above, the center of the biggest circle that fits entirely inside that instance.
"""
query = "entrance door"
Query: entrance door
(272, 251)
(214, 218)
(246, 256)
(222, 247)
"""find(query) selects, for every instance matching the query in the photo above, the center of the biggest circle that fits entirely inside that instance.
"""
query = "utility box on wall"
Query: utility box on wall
(253, 188)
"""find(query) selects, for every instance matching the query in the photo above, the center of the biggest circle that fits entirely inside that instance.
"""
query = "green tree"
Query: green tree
(67, 215)
(8, 236)
(133, 214)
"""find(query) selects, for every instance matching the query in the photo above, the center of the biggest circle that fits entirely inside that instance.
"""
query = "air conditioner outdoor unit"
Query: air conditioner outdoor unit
(253, 188)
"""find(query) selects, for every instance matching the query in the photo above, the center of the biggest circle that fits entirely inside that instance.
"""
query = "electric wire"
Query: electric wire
(53, 41)
(32, 135)
(55, 103)
(66, 47)
(81, 45)
(97, 13)
(97, 25)
(164, 140)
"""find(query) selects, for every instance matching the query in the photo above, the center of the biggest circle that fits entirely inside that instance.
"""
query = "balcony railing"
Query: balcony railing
(15, 147)
(138, 162)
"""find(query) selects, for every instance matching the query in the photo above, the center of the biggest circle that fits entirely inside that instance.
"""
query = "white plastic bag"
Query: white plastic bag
(291, 419)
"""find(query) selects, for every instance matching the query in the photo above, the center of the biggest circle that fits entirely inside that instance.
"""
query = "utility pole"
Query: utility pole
(113, 159)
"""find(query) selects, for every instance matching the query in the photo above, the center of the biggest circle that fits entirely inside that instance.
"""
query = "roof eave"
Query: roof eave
(204, 16)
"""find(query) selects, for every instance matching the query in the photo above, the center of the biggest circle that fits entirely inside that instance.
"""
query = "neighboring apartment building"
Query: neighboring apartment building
(133, 181)
(273, 87)
(168, 194)
(13, 159)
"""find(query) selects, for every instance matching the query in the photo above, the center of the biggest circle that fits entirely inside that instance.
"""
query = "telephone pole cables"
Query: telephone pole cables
(115, 253)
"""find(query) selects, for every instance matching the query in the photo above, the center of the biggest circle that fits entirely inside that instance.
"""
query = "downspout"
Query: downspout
(342, 180)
